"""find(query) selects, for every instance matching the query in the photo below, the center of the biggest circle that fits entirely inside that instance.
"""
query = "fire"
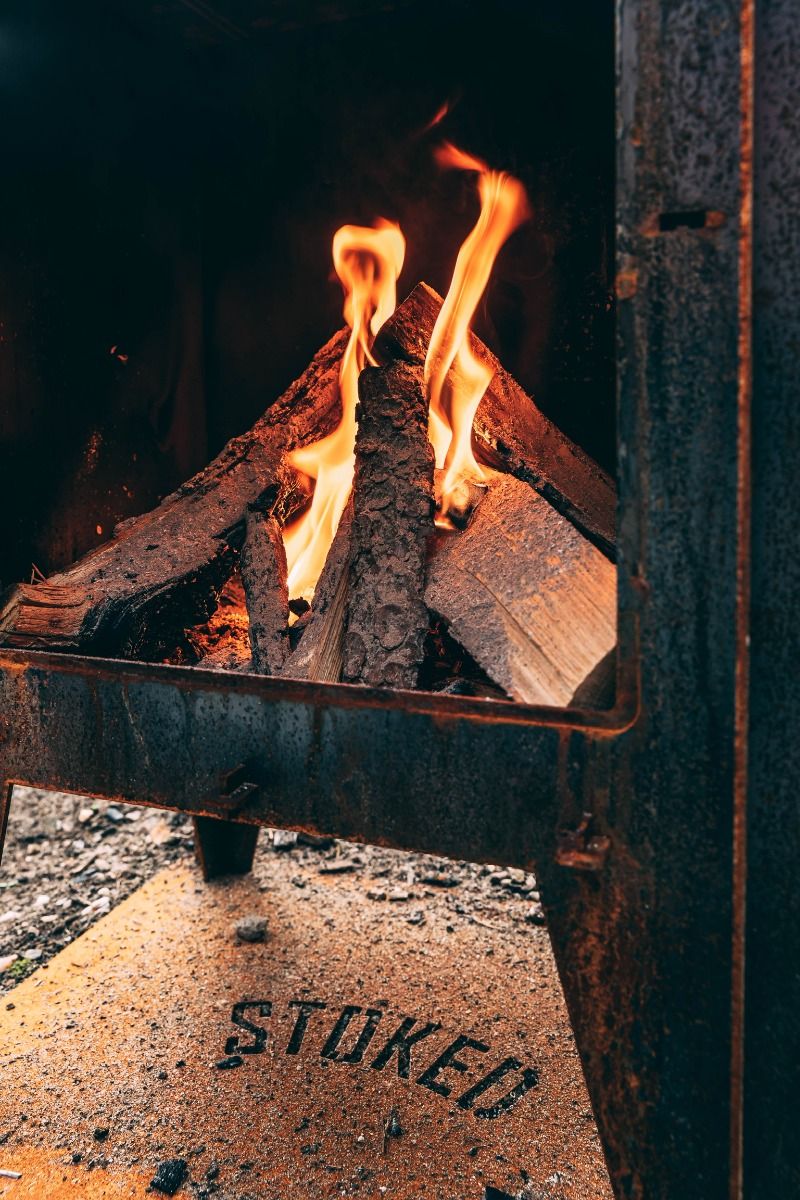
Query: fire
(368, 262)
(454, 395)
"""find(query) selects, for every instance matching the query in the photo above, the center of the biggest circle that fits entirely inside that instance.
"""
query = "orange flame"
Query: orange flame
(367, 262)
(454, 397)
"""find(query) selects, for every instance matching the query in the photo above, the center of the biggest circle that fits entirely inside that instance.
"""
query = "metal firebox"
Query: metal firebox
(663, 833)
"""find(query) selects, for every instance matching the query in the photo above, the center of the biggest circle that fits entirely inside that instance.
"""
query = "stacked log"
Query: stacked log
(161, 572)
(525, 584)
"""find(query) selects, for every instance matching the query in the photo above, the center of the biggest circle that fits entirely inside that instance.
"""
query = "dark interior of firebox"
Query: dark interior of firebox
(174, 174)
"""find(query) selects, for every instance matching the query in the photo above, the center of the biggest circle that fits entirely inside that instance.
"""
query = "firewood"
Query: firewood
(509, 431)
(161, 572)
(263, 567)
(599, 688)
(319, 655)
(386, 619)
(530, 598)
(226, 657)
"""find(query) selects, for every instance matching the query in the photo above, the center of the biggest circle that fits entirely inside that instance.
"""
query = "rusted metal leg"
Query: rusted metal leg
(224, 847)
(5, 804)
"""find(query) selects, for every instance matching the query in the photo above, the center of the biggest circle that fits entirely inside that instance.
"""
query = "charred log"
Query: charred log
(530, 598)
(386, 620)
(263, 567)
(161, 572)
(510, 432)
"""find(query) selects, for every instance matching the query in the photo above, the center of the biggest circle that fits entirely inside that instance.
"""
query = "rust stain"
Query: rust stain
(743, 539)
(627, 283)
(51, 1174)
(124, 1028)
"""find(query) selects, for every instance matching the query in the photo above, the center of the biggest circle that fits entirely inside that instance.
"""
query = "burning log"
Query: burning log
(263, 567)
(386, 619)
(319, 655)
(525, 594)
(161, 572)
(509, 430)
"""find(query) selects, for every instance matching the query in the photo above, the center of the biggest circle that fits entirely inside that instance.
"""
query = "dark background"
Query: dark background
(172, 178)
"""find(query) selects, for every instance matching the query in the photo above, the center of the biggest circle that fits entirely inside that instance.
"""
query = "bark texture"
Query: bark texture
(386, 619)
(509, 430)
(161, 572)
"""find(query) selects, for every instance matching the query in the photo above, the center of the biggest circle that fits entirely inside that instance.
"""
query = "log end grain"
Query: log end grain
(531, 599)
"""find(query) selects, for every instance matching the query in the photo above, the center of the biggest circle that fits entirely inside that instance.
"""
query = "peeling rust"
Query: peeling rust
(580, 849)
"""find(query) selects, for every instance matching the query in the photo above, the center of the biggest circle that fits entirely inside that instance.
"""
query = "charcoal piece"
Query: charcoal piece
(161, 573)
(170, 1176)
(510, 432)
(263, 567)
(226, 658)
(386, 620)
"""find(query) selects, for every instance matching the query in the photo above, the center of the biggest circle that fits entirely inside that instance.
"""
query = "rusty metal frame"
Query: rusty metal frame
(639, 822)
(411, 770)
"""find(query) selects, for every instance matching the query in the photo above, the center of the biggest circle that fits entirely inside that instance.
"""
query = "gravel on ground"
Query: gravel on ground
(69, 860)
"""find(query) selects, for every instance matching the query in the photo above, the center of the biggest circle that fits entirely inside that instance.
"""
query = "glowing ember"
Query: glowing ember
(368, 262)
(454, 395)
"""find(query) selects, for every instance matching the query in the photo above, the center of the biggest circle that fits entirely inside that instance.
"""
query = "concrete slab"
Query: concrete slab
(349, 1054)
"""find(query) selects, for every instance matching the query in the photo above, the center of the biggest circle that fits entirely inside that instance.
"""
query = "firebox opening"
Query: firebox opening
(175, 177)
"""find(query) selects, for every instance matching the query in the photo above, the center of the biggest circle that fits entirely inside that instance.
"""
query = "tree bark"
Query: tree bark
(509, 431)
(161, 572)
(386, 619)
(530, 598)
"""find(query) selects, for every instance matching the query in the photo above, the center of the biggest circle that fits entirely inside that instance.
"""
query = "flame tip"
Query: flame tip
(454, 395)
(367, 260)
